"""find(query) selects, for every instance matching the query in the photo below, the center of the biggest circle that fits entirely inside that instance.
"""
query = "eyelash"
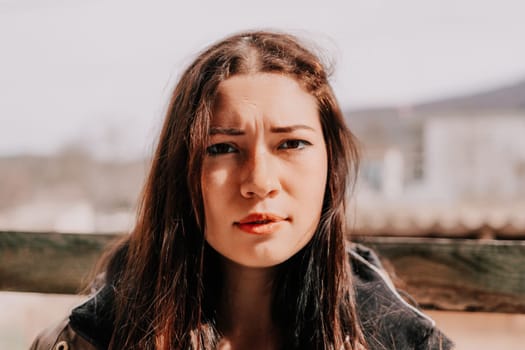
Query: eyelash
(214, 150)
(300, 144)
(225, 148)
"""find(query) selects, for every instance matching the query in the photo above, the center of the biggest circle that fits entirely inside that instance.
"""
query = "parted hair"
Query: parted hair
(168, 280)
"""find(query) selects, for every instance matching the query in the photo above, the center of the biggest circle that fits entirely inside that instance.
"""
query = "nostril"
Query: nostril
(253, 190)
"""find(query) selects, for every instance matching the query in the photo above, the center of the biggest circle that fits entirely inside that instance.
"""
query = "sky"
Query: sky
(98, 74)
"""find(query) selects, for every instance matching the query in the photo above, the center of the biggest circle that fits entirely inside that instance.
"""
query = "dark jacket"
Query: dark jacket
(387, 320)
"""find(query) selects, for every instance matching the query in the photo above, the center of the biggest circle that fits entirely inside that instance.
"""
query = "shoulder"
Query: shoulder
(60, 337)
(88, 327)
(388, 321)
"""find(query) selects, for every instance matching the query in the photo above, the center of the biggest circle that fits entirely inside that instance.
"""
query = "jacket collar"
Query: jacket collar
(93, 320)
(387, 320)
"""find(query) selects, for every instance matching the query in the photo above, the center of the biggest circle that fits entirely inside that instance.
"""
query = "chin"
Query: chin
(269, 252)
(254, 261)
(260, 259)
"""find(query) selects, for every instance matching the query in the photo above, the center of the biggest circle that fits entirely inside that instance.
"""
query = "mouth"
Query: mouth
(260, 223)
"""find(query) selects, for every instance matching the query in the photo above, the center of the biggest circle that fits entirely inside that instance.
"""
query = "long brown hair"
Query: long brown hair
(165, 276)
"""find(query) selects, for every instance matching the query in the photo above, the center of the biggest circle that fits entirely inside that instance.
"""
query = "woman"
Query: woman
(240, 238)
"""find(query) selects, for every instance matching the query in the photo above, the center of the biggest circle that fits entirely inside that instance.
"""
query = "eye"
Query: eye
(294, 144)
(220, 148)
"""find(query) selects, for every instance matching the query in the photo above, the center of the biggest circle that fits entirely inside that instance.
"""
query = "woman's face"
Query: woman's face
(264, 172)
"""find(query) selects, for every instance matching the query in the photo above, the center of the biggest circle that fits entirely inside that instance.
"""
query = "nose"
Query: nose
(260, 177)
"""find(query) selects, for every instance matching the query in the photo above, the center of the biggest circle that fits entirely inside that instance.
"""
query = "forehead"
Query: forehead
(269, 95)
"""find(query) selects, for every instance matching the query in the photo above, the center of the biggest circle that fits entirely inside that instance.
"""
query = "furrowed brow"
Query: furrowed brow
(214, 130)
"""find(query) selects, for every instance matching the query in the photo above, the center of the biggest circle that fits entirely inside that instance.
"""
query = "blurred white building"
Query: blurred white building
(475, 157)
(468, 149)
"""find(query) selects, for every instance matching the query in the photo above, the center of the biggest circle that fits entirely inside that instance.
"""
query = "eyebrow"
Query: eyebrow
(214, 130)
(291, 128)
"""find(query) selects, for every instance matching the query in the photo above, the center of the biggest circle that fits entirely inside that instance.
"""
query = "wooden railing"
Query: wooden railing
(439, 273)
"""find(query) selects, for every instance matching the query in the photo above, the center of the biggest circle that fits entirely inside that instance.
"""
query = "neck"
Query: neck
(245, 309)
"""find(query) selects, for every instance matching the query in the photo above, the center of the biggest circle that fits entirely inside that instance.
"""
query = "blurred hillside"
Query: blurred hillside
(509, 97)
(69, 191)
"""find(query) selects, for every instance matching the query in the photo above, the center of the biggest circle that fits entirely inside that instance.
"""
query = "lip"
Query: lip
(260, 223)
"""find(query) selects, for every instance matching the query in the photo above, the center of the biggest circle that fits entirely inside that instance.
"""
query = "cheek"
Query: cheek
(213, 180)
(216, 189)
(313, 200)
(309, 189)
(311, 178)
